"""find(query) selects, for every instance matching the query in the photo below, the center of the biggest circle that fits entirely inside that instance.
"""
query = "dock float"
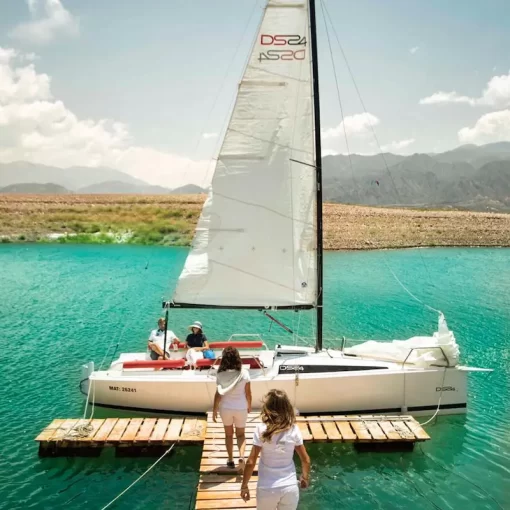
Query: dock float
(128, 435)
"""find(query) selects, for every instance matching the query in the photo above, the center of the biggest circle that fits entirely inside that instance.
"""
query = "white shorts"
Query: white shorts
(192, 356)
(235, 417)
(281, 498)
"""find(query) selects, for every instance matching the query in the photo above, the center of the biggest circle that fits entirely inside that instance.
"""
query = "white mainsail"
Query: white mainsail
(255, 243)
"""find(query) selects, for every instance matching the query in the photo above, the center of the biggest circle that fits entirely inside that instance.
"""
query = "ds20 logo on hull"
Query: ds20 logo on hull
(282, 54)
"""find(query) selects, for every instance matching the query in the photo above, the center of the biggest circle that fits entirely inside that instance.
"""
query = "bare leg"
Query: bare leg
(157, 349)
(241, 442)
(229, 441)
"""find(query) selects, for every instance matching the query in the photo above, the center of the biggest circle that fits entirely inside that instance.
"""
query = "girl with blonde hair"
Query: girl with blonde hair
(275, 440)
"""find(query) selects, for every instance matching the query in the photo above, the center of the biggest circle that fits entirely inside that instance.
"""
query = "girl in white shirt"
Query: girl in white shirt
(233, 401)
(275, 440)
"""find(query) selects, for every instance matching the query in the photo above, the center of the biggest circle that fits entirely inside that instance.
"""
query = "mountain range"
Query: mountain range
(470, 177)
(24, 177)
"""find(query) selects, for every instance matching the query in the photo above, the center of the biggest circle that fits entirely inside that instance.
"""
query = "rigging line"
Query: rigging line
(409, 292)
(228, 115)
(223, 81)
(388, 171)
(361, 100)
(139, 478)
(339, 98)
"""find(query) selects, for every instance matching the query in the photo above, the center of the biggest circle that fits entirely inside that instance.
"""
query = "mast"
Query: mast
(318, 167)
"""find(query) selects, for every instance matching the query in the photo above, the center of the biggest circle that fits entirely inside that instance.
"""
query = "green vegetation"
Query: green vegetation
(105, 219)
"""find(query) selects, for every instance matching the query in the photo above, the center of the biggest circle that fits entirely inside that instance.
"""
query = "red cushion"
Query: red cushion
(160, 363)
(237, 345)
(205, 362)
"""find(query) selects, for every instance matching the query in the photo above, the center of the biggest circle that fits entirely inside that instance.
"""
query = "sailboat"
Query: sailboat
(258, 245)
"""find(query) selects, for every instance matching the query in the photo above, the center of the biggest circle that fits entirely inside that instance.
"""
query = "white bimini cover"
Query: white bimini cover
(255, 242)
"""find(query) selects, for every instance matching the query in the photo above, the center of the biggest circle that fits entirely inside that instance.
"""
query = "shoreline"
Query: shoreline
(169, 220)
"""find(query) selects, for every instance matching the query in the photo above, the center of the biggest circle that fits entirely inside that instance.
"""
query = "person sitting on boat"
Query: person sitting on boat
(157, 341)
(196, 343)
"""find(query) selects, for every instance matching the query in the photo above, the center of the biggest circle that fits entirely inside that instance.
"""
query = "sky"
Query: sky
(147, 87)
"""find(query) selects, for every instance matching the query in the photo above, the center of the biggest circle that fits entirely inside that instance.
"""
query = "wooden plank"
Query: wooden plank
(361, 430)
(317, 432)
(233, 494)
(210, 487)
(117, 432)
(50, 430)
(104, 430)
(390, 432)
(159, 430)
(146, 429)
(230, 503)
(191, 430)
(305, 431)
(220, 470)
(95, 426)
(174, 429)
(375, 431)
(132, 429)
(229, 478)
(214, 461)
(403, 431)
(345, 429)
(64, 430)
(331, 430)
(418, 431)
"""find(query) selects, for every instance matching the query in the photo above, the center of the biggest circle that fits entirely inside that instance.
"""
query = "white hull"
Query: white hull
(389, 389)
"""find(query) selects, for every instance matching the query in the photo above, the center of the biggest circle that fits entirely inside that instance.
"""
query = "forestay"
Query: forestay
(255, 243)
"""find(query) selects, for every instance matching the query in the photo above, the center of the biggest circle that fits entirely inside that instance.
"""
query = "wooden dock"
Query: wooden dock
(219, 486)
(82, 437)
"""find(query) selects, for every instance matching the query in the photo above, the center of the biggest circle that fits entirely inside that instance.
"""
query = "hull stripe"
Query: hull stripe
(359, 411)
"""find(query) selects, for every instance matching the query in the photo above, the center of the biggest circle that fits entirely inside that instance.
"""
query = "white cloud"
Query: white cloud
(413, 50)
(329, 152)
(491, 127)
(359, 125)
(397, 146)
(447, 97)
(49, 19)
(495, 94)
(36, 127)
(208, 136)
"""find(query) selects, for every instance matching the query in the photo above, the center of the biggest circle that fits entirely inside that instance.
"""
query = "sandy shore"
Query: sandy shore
(170, 220)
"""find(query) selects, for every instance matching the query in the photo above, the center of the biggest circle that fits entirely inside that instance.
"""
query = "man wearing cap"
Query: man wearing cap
(196, 342)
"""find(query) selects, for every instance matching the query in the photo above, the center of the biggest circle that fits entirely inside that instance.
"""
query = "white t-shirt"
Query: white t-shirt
(236, 398)
(276, 466)
(158, 337)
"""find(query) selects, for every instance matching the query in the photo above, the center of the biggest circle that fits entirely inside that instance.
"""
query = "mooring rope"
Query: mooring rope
(139, 478)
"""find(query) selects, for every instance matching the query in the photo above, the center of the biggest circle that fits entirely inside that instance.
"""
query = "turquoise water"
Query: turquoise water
(62, 306)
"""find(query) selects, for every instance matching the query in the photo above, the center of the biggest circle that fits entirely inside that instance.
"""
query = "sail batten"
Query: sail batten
(256, 243)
